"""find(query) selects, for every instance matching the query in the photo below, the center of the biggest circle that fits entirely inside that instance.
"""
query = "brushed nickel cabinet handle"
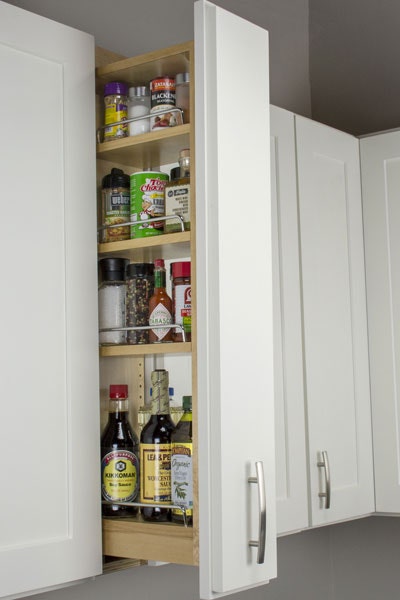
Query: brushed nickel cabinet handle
(324, 463)
(262, 506)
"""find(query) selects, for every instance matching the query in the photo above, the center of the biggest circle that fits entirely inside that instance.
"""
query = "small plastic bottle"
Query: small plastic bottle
(115, 110)
(139, 106)
(112, 299)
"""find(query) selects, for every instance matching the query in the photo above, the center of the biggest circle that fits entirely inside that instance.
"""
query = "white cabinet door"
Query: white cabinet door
(335, 326)
(49, 504)
(290, 435)
(380, 169)
(234, 300)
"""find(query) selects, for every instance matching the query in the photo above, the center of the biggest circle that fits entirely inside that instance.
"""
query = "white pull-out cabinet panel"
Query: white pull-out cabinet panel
(234, 300)
(380, 170)
(49, 505)
(335, 325)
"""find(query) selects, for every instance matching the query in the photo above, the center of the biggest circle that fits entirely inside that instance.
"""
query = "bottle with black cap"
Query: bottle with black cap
(115, 206)
(112, 300)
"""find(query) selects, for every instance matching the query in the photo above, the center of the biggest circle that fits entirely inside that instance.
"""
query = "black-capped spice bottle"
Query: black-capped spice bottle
(139, 290)
(120, 476)
(155, 451)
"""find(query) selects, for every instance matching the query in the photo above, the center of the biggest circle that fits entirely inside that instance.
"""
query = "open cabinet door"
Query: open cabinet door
(234, 300)
(49, 506)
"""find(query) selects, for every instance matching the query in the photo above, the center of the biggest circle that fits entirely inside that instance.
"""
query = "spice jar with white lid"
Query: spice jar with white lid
(139, 106)
(112, 299)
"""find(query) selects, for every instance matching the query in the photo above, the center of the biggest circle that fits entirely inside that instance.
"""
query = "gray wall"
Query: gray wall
(135, 26)
(355, 64)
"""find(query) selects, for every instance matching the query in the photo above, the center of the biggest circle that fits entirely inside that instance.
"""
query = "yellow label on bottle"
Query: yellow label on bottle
(155, 460)
(120, 476)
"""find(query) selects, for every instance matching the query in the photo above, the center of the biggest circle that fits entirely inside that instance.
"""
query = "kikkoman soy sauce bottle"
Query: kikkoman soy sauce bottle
(155, 451)
(119, 457)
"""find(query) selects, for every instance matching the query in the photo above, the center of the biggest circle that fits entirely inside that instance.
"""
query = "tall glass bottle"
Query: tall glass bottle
(119, 457)
(181, 464)
(155, 451)
(160, 306)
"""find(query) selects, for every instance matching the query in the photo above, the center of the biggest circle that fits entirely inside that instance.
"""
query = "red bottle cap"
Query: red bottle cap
(159, 262)
(180, 269)
(119, 391)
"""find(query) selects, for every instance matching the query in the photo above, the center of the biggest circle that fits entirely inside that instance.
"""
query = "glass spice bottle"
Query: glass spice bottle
(139, 289)
(181, 300)
(119, 457)
(181, 464)
(160, 306)
(155, 451)
(177, 195)
(112, 298)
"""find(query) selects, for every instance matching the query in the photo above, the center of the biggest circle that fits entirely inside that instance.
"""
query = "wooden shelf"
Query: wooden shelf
(148, 150)
(168, 246)
(146, 349)
(132, 538)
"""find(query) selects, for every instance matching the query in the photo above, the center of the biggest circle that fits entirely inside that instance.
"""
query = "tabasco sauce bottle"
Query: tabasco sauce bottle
(160, 306)
(155, 451)
(119, 457)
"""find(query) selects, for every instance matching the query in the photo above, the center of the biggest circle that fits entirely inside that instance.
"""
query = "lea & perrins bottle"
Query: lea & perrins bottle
(119, 457)
(160, 306)
(155, 451)
(181, 464)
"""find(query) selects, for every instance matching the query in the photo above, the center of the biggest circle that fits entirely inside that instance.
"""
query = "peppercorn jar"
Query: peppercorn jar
(115, 110)
(140, 288)
(181, 300)
(112, 301)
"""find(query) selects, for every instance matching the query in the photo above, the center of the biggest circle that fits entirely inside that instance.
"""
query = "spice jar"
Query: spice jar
(140, 288)
(115, 109)
(112, 298)
(182, 93)
(139, 106)
(115, 205)
(181, 299)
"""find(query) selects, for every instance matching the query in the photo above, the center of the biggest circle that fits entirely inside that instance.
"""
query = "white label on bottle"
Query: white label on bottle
(181, 475)
(160, 316)
(183, 303)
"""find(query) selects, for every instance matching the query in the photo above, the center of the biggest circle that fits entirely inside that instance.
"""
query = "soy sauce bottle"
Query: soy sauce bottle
(119, 457)
(155, 451)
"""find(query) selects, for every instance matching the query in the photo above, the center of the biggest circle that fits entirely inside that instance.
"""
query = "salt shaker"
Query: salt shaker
(139, 106)
(112, 298)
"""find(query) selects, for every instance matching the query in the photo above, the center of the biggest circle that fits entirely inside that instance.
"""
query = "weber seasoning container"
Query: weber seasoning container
(115, 205)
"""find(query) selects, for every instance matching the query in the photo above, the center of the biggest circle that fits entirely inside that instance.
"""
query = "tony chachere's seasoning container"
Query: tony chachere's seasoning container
(140, 288)
(115, 109)
(181, 300)
(139, 106)
(182, 93)
(177, 195)
(147, 202)
(115, 203)
(112, 298)
(162, 93)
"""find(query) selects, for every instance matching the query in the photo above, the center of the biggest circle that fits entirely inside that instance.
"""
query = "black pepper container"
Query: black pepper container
(140, 288)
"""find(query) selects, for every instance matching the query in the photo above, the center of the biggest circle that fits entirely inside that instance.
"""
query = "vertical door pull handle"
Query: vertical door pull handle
(262, 506)
(324, 463)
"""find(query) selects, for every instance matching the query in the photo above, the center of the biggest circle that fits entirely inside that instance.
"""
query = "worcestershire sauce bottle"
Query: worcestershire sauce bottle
(119, 457)
(155, 451)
